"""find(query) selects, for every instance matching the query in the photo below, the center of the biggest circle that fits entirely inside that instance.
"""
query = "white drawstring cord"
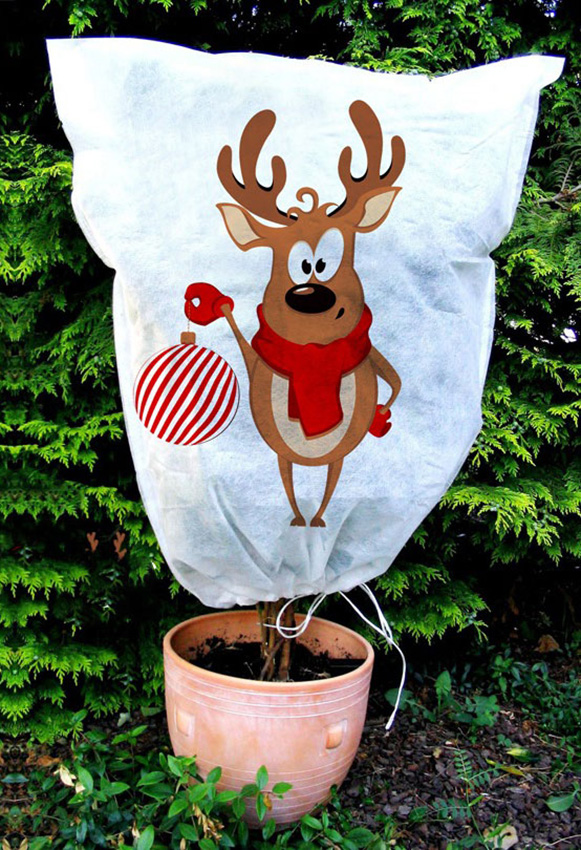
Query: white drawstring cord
(383, 629)
(295, 631)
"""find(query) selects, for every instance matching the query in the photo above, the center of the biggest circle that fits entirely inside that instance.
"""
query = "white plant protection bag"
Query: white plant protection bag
(325, 231)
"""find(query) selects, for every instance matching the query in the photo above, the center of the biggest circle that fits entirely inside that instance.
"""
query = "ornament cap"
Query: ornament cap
(188, 338)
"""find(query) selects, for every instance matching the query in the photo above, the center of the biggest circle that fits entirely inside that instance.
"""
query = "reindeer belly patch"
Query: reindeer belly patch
(290, 429)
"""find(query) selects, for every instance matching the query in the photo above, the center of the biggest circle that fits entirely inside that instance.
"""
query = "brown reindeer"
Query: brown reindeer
(311, 366)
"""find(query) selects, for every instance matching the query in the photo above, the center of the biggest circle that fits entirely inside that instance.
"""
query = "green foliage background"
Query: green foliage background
(84, 593)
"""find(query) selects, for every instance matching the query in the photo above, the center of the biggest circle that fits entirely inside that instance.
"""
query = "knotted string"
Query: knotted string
(384, 629)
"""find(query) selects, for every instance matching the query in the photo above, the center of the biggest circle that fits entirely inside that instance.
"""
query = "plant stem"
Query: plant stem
(273, 648)
(286, 654)
(268, 671)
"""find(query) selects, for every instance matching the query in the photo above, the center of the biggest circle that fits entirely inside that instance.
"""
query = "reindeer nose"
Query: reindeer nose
(310, 298)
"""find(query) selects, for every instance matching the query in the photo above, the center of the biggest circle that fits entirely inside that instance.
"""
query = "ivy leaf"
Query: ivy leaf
(188, 830)
(262, 777)
(178, 805)
(214, 775)
(85, 778)
(360, 836)
(226, 796)
(239, 807)
(281, 788)
(249, 790)
(197, 792)
(151, 778)
(81, 832)
(243, 833)
(562, 802)
(268, 829)
(175, 766)
(118, 787)
(261, 808)
(145, 840)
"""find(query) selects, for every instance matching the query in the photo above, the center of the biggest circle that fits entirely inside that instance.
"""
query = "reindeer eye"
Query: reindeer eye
(328, 254)
(300, 263)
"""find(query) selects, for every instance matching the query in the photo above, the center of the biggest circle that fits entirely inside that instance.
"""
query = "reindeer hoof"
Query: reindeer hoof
(318, 522)
(299, 521)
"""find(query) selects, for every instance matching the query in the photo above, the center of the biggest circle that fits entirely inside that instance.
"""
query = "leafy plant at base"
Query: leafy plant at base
(476, 711)
(109, 791)
(555, 705)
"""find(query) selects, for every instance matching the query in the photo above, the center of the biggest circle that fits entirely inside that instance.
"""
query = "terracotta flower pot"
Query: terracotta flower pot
(305, 733)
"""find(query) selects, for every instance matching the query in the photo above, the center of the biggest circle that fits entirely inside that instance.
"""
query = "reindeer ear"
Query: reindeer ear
(243, 227)
(373, 208)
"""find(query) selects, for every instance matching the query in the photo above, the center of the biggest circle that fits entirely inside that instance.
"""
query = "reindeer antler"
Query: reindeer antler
(367, 125)
(254, 197)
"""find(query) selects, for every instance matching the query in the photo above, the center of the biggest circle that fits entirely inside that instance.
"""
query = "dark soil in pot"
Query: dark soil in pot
(244, 660)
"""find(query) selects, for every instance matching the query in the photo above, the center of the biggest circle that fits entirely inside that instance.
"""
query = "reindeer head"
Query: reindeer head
(314, 293)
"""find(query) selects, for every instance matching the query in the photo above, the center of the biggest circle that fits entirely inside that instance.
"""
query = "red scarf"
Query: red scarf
(314, 371)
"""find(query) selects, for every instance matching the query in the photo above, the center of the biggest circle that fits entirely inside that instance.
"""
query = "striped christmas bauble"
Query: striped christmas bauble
(186, 394)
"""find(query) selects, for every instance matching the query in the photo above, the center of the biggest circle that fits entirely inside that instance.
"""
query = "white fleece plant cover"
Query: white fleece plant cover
(255, 461)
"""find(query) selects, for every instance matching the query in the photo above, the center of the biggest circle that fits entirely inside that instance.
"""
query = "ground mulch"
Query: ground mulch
(415, 765)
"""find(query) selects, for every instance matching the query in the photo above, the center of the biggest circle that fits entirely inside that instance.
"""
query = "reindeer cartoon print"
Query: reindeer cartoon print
(312, 368)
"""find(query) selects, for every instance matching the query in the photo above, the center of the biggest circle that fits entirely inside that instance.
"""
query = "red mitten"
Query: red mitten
(204, 303)
(381, 424)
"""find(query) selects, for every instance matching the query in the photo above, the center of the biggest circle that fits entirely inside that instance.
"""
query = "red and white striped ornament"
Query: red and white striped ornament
(186, 394)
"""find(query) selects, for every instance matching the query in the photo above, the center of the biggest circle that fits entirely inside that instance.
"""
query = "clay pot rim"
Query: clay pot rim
(287, 687)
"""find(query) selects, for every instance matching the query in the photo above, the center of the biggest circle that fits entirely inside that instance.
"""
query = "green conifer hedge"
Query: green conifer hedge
(84, 593)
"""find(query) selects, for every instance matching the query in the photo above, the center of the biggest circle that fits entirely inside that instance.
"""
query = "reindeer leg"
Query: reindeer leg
(333, 473)
(286, 473)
